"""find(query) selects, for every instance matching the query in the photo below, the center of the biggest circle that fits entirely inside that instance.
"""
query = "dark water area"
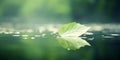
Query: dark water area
(105, 45)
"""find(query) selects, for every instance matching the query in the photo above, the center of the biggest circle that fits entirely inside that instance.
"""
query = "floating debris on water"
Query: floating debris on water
(32, 37)
(16, 35)
(89, 33)
(107, 36)
(37, 35)
(25, 38)
(115, 34)
(43, 35)
(24, 35)
(83, 37)
(17, 32)
(91, 38)
(6, 32)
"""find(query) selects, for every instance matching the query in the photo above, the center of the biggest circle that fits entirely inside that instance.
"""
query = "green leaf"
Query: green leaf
(69, 36)
(72, 29)
(72, 43)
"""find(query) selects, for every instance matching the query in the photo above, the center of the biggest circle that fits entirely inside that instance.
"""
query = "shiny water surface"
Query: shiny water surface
(39, 43)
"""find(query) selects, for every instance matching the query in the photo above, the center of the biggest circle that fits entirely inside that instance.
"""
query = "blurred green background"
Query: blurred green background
(102, 11)
(27, 29)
